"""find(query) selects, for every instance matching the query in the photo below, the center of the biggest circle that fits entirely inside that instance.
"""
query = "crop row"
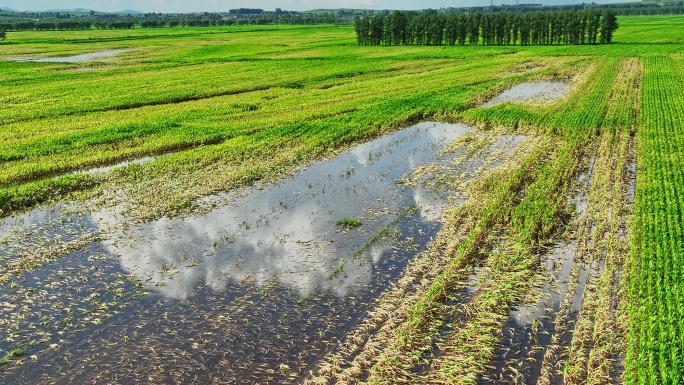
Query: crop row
(656, 340)
(589, 344)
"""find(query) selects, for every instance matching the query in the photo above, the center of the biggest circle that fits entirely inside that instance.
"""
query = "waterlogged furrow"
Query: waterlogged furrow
(605, 361)
(379, 335)
(597, 341)
(593, 284)
(533, 221)
(413, 338)
(466, 352)
(469, 349)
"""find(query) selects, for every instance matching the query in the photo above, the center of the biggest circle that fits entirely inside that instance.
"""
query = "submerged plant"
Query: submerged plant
(348, 223)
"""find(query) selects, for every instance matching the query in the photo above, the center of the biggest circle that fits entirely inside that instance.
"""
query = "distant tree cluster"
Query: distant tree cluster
(655, 7)
(114, 24)
(45, 21)
(47, 26)
(455, 23)
(65, 25)
(501, 28)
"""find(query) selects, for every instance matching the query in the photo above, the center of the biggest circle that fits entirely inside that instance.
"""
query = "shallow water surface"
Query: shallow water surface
(529, 331)
(545, 91)
(288, 231)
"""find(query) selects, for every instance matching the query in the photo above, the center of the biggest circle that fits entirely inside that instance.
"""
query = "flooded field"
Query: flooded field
(253, 204)
(570, 311)
(254, 291)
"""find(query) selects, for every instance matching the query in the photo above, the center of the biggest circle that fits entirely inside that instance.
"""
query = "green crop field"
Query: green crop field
(218, 109)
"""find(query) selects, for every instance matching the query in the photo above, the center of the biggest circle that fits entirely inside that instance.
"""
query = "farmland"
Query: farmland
(277, 204)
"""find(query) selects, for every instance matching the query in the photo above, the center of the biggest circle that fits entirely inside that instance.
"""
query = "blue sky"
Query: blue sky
(224, 5)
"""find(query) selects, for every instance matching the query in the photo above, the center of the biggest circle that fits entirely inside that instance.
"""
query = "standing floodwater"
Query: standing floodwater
(254, 291)
(289, 231)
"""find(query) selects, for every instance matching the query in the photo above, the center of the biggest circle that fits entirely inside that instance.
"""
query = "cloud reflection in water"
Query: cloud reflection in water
(287, 232)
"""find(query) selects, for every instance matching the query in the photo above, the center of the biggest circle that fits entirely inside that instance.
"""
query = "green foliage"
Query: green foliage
(349, 223)
(501, 28)
(12, 355)
(208, 105)
(656, 340)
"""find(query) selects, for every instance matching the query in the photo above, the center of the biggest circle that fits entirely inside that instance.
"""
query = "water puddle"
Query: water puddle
(631, 184)
(581, 193)
(102, 170)
(86, 57)
(289, 231)
(253, 291)
(543, 91)
(81, 69)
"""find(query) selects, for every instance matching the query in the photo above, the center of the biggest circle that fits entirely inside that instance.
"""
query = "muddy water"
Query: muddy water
(533, 326)
(544, 91)
(102, 170)
(86, 57)
(254, 291)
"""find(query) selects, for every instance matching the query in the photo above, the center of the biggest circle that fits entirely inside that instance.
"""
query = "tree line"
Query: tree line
(501, 28)
(47, 26)
(55, 21)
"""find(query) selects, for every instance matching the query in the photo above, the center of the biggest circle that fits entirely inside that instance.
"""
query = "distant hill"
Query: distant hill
(72, 10)
(77, 10)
